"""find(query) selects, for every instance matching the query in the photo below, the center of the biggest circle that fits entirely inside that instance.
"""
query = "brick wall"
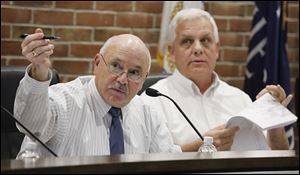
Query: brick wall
(84, 26)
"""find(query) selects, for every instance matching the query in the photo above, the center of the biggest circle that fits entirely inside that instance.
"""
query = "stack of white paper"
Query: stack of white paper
(263, 114)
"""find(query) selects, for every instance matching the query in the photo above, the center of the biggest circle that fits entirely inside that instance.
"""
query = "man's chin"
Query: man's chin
(117, 101)
(197, 70)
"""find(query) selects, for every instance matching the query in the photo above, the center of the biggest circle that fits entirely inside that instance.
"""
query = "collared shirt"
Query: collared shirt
(73, 120)
(206, 111)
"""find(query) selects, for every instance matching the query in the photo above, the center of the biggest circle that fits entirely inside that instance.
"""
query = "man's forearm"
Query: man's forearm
(31, 104)
(39, 73)
(277, 139)
(191, 147)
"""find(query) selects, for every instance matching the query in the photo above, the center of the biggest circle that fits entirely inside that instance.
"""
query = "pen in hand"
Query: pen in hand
(45, 37)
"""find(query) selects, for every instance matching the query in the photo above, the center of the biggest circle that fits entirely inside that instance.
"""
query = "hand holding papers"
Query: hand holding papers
(263, 114)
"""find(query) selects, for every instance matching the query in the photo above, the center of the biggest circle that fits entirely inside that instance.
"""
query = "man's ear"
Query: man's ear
(171, 53)
(97, 59)
(217, 50)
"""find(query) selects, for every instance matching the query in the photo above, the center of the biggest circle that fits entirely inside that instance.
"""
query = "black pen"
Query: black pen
(45, 37)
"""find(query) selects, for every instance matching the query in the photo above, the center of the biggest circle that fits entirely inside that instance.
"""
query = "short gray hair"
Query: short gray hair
(187, 14)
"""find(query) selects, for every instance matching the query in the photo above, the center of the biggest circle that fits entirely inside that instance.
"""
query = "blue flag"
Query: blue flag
(267, 61)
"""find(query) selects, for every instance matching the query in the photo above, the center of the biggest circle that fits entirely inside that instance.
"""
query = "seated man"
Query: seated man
(208, 101)
(92, 115)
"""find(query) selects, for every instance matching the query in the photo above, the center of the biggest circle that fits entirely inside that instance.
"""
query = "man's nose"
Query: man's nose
(198, 48)
(122, 78)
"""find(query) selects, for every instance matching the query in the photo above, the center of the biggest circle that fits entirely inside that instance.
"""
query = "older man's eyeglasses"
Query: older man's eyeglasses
(116, 68)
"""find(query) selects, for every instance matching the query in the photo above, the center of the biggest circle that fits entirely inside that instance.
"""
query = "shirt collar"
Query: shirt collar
(184, 84)
(100, 106)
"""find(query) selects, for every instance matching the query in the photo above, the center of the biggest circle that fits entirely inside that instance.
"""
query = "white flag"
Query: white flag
(169, 11)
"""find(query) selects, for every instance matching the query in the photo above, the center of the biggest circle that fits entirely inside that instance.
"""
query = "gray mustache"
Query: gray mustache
(119, 86)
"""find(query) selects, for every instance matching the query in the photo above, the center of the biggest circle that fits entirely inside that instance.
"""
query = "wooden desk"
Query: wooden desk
(161, 163)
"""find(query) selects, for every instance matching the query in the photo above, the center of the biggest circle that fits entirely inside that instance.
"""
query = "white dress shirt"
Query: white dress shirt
(73, 120)
(206, 111)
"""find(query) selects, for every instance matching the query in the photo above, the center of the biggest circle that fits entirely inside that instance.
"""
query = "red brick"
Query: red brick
(230, 39)
(246, 40)
(70, 34)
(114, 5)
(3, 60)
(15, 15)
(130, 17)
(242, 70)
(207, 7)
(227, 9)
(235, 55)
(19, 30)
(11, 48)
(293, 84)
(240, 25)
(136, 20)
(71, 67)
(227, 70)
(293, 26)
(60, 50)
(294, 71)
(18, 62)
(222, 24)
(33, 3)
(53, 17)
(157, 21)
(104, 34)
(5, 30)
(149, 6)
(250, 10)
(74, 4)
(153, 50)
(147, 36)
(293, 42)
(293, 56)
(293, 11)
(84, 50)
(95, 19)
(4, 2)
(239, 83)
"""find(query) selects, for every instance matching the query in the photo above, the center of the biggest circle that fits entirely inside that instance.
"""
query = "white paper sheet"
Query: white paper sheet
(265, 113)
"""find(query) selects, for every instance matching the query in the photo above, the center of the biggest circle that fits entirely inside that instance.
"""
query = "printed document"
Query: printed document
(263, 114)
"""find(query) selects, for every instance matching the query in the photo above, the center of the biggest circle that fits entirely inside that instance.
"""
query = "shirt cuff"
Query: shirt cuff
(34, 86)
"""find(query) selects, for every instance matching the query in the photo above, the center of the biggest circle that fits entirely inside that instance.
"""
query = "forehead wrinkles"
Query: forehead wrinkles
(132, 44)
(128, 57)
(117, 50)
(194, 26)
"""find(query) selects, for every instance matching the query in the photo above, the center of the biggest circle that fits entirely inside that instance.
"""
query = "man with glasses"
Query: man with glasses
(208, 101)
(92, 115)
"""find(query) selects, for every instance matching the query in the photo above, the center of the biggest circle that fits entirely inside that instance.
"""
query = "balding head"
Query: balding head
(121, 69)
(127, 41)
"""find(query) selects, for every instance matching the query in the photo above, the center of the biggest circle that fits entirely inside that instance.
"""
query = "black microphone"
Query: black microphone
(155, 93)
(37, 139)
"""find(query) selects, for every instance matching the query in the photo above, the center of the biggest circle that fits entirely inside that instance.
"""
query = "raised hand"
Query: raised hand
(38, 50)
(278, 93)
